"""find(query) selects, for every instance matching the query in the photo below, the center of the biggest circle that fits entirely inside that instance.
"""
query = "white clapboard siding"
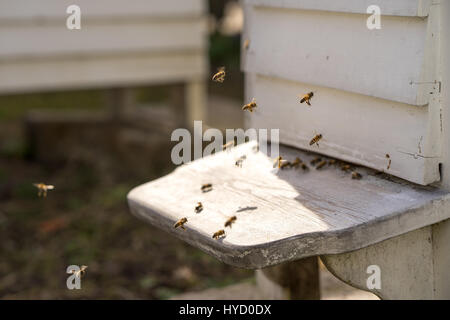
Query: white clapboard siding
(337, 50)
(372, 96)
(56, 39)
(16, 10)
(410, 8)
(100, 71)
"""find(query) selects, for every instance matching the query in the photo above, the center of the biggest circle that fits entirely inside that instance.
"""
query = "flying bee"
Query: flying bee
(228, 145)
(180, 223)
(315, 160)
(296, 162)
(246, 44)
(220, 75)
(218, 234)
(230, 221)
(80, 273)
(307, 98)
(206, 187)
(321, 165)
(42, 188)
(250, 106)
(356, 175)
(199, 207)
(316, 139)
(239, 161)
(389, 163)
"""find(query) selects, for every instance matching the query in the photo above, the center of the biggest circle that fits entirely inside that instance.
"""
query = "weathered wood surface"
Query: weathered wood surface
(388, 7)
(283, 215)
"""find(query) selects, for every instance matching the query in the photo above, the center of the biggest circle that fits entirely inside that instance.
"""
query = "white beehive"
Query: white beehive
(376, 92)
(121, 43)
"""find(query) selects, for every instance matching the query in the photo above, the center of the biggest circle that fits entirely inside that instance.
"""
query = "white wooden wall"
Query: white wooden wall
(120, 43)
(376, 92)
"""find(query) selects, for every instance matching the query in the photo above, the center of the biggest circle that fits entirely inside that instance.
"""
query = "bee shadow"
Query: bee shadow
(248, 208)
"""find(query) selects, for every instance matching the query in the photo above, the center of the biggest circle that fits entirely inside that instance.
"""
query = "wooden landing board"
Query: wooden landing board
(283, 215)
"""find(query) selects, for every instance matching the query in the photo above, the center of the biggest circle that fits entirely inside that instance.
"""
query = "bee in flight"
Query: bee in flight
(230, 221)
(307, 98)
(321, 165)
(199, 207)
(180, 223)
(239, 161)
(80, 273)
(250, 106)
(356, 175)
(316, 139)
(220, 75)
(246, 44)
(206, 187)
(228, 145)
(42, 188)
(218, 234)
(389, 163)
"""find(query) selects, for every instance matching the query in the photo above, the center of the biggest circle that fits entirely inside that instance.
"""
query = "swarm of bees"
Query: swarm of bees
(43, 188)
(307, 98)
(250, 106)
(80, 273)
(220, 75)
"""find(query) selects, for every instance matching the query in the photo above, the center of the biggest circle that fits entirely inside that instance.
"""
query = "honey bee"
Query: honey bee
(307, 98)
(180, 223)
(250, 106)
(230, 221)
(389, 163)
(199, 207)
(42, 188)
(331, 162)
(356, 175)
(321, 165)
(246, 44)
(218, 234)
(228, 145)
(304, 166)
(220, 75)
(345, 167)
(315, 160)
(278, 161)
(316, 139)
(296, 162)
(239, 161)
(81, 272)
(206, 187)
(285, 164)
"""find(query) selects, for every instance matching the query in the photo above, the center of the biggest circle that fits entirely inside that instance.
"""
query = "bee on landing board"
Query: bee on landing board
(278, 162)
(180, 223)
(321, 165)
(315, 160)
(230, 221)
(356, 175)
(331, 162)
(296, 162)
(218, 234)
(239, 161)
(307, 98)
(199, 207)
(80, 273)
(316, 139)
(285, 164)
(304, 166)
(206, 187)
(220, 75)
(250, 106)
(43, 188)
(389, 163)
(345, 167)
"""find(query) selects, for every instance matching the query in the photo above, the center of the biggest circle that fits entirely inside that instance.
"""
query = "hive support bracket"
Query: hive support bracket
(414, 265)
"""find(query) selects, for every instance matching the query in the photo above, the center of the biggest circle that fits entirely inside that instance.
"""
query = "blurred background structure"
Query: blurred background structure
(91, 111)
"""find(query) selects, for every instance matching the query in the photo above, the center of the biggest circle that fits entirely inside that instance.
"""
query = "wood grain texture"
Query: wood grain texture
(283, 215)
(388, 7)
(337, 50)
